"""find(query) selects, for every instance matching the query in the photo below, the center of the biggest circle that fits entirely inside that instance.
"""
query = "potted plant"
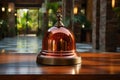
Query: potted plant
(3, 29)
(117, 11)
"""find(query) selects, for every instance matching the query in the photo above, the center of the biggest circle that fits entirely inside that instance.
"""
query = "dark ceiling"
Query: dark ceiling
(32, 3)
(26, 3)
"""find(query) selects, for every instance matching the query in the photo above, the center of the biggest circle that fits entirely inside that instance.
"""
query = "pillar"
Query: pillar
(11, 19)
(117, 4)
(95, 24)
(4, 17)
(45, 18)
(67, 8)
(102, 29)
(108, 28)
(89, 12)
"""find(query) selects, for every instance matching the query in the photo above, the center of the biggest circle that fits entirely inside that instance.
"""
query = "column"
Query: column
(4, 17)
(111, 28)
(95, 24)
(68, 6)
(108, 28)
(102, 30)
(45, 17)
(11, 19)
(89, 12)
(117, 4)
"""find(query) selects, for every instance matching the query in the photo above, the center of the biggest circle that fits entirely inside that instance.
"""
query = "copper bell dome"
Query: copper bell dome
(58, 46)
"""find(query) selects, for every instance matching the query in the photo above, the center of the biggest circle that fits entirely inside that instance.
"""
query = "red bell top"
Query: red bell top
(58, 41)
(58, 46)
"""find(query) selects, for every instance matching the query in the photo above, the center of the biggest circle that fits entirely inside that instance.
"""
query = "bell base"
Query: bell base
(51, 60)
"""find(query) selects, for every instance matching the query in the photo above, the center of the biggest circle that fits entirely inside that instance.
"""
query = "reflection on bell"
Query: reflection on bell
(58, 46)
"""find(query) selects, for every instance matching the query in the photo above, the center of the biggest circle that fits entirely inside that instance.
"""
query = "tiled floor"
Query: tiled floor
(31, 44)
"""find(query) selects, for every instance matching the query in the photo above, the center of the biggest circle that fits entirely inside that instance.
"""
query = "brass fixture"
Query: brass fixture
(58, 46)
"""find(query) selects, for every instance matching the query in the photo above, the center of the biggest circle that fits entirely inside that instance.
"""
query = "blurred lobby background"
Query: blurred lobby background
(95, 24)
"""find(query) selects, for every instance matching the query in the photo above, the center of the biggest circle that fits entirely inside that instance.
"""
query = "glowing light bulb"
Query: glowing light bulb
(9, 9)
(83, 26)
(3, 9)
(113, 3)
(75, 10)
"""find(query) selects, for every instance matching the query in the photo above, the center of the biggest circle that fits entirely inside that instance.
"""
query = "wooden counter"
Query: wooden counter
(94, 66)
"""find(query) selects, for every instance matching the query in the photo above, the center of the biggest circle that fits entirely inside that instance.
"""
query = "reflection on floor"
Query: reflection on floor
(31, 44)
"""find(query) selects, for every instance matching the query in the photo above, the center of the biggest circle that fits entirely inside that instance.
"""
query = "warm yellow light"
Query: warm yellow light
(75, 10)
(15, 14)
(113, 3)
(3, 9)
(9, 9)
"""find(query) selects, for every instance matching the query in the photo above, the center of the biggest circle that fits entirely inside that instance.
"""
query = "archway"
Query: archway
(28, 20)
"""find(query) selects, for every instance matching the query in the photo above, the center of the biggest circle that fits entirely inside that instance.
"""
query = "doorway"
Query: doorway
(27, 21)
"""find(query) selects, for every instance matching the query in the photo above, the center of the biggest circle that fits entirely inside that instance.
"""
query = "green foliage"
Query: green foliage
(33, 19)
(21, 21)
(3, 28)
(67, 21)
(117, 11)
(52, 15)
(27, 20)
(81, 18)
(54, 6)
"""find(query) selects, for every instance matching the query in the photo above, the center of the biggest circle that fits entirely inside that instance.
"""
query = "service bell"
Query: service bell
(58, 46)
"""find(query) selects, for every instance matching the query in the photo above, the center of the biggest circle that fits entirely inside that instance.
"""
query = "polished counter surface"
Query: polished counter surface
(93, 64)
